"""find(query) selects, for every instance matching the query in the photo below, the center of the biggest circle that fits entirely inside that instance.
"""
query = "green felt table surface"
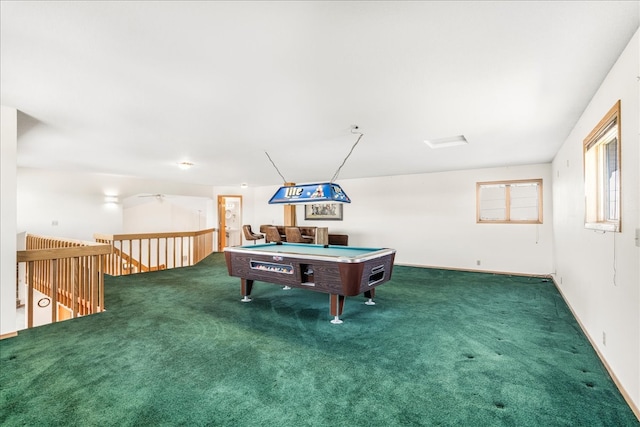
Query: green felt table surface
(310, 249)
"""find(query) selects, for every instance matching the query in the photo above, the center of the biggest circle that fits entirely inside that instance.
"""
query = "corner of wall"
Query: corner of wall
(8, 216)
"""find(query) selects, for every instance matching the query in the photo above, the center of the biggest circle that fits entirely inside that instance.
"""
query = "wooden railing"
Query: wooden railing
(69, 272)
(138, 253)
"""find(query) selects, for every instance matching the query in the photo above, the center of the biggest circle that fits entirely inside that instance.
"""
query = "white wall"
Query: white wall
(65, 213)
(430, 219)
(599, 273)
(8, 214)
(166, 215)
(76, 201)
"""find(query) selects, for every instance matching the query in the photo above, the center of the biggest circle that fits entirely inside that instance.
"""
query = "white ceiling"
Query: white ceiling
(133, 88)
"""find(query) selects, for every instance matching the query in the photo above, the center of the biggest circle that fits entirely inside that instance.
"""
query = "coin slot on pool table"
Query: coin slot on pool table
(377, 274)
(271, 267)
(306, 271)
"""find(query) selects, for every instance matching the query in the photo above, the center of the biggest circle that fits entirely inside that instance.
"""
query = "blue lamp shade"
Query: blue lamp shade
(310, 193)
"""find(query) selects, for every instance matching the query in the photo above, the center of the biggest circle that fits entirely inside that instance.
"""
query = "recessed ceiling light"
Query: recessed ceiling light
(450, 141)
(244, 185)
(185, 165)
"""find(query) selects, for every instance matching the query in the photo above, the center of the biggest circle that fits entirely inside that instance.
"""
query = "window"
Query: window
(512, 202)
(602, 173)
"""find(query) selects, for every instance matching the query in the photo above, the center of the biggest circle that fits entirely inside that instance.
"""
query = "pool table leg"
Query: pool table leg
(337, 304)
(370, 294)
(245, 289)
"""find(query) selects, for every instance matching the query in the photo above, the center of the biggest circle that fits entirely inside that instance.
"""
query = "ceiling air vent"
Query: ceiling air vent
(450, 141)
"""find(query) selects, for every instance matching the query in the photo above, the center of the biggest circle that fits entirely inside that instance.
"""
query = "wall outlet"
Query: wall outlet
(54, 222)
(478, 262)
(185, 258)
(638, 237)
(604, 338)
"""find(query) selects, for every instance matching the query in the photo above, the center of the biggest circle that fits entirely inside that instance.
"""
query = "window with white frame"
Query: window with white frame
(602, 173)
(509, 202)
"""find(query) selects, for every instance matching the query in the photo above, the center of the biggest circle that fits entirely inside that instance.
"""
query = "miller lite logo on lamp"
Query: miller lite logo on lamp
(308, 193)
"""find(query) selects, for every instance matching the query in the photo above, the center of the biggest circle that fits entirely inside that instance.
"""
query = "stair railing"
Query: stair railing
(143, 252)
(69, 272)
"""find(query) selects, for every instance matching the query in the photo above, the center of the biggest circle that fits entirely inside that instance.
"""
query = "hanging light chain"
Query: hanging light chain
(354, 128)
(274, 165)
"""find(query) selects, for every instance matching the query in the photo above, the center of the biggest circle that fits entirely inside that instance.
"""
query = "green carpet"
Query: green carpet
(177, 347)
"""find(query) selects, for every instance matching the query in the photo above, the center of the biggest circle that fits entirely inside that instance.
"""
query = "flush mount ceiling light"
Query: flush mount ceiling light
(185, 165)
(450, 141)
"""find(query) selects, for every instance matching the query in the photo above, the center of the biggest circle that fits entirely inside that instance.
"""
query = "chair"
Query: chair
(295, 236)
(339, 239)
(250, 235)
(272, 234)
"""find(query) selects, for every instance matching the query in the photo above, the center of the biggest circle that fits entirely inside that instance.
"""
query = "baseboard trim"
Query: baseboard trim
(623, 391)
(9, 335)
(469, 270)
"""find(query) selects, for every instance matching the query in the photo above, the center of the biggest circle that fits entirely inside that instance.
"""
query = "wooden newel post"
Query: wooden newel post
(289, 210)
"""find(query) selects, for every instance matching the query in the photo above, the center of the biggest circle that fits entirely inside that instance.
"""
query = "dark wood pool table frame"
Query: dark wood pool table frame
(289, 265)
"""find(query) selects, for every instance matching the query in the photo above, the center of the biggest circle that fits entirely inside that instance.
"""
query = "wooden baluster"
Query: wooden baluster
(30, 273)
(93, 294)
(101, 284)
(74, 287)
(166, 252)
(54, 293)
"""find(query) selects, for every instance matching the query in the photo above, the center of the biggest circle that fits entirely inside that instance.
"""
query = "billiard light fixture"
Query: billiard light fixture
(310, 193)
(314, 193)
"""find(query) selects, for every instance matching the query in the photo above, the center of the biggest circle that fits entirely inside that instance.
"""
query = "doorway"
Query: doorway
(229, 221)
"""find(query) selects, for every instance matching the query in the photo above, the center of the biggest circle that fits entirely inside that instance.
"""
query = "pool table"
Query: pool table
(340, 271)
